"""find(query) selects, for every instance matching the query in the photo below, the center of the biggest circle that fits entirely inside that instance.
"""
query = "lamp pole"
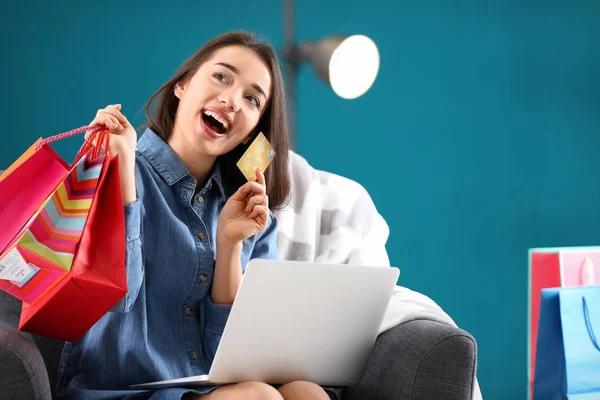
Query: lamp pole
(291, 66)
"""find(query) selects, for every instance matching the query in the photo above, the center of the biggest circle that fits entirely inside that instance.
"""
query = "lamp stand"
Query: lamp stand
(290, 67)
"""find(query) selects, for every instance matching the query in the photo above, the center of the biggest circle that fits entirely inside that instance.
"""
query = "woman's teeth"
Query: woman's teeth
(216, 116)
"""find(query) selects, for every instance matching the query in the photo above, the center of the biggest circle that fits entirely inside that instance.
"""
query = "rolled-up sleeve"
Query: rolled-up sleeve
(133, 220)
(266, 245)
(134, 260)
(216, 314)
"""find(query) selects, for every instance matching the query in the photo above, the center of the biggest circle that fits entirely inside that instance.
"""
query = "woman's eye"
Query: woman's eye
(221, 77)
(254, 101)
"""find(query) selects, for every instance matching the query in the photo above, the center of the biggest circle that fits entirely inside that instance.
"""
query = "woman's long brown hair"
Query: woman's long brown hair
(273, 123)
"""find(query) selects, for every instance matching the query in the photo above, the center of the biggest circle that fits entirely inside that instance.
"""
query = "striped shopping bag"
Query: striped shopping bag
(72, 249)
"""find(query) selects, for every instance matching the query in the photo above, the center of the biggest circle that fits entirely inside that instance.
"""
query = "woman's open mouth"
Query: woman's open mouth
(216, 121)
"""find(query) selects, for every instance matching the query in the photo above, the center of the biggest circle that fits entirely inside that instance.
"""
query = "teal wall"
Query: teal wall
(478, 140)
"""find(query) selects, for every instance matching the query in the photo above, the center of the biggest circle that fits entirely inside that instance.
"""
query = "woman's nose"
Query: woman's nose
(230, 101)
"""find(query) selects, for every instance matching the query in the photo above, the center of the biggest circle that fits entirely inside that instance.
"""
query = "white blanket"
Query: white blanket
(332, 219)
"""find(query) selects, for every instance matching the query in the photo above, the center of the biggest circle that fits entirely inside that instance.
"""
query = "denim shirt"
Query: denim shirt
(166, 326)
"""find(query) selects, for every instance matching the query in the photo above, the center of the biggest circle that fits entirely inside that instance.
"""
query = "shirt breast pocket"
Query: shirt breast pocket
(212, 338)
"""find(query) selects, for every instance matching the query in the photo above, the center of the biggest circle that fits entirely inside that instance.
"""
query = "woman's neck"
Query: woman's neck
(197, 163)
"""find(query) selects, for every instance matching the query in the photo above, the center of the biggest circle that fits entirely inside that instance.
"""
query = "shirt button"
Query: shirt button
(201, 236)
(203, 278)
(200, 199)
(187, 311)
(209, 186)
(193, 355)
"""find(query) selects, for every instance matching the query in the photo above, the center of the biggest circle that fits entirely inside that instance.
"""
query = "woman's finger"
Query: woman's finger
(113, 123)
(261, 200)
(95, 129)
(260, 177)
(114, 116)
(115, 112)
(109, 117)
(94, 125)
(247, 188)
(103, 118)
(107, 121)
(260, 211)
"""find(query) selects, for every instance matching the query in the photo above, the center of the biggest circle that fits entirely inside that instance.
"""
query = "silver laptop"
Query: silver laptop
(299, 321)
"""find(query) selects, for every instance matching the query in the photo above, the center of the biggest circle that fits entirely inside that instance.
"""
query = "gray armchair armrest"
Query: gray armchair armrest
(419, 360)
(23, 374)
(28, 363)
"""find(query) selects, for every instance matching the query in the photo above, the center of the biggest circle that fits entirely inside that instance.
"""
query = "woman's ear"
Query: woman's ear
(178, 90)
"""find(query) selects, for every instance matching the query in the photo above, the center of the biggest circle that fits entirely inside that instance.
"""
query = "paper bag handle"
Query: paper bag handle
(87, 145)
(70, 133)
(97, 142)
(588, 324)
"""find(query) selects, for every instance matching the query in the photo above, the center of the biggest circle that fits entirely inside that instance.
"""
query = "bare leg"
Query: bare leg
(246, 390)
(302, 390)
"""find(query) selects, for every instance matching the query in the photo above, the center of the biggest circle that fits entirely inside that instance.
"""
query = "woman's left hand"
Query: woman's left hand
(245, 213)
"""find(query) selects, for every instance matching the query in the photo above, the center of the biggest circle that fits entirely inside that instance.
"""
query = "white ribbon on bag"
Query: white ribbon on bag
(587, 273)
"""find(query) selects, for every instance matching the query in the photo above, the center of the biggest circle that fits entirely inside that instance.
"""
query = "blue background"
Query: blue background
(478, 140)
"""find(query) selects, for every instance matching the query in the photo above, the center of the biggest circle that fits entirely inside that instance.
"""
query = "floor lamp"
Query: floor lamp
(349, 64)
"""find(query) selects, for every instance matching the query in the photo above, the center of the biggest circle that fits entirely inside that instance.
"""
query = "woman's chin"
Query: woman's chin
(207, 145)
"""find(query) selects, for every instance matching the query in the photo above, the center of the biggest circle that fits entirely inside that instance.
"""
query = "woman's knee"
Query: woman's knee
(300, 390)
(245, 390)
(259, 391)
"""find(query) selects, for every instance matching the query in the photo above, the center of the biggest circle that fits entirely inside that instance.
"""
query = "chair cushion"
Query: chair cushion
(22, 370)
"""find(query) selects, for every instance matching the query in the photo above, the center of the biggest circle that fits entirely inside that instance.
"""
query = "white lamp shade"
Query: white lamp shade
(353, 66)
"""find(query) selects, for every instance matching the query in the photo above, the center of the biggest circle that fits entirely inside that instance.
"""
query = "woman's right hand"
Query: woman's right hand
(122, 143)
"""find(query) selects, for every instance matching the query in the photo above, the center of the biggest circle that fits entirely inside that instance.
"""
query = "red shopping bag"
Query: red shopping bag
(41, 251)
(94, 279)
(560, 267)
(30, 180)
(25, 185)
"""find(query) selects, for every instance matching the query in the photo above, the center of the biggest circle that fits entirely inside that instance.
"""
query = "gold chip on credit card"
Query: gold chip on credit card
(258, 155)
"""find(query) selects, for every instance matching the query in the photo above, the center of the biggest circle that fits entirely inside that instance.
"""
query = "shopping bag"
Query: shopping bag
(554, 268)
(91, 223)
(40, 252)
(43, 253)
(30, 180)
(25, 185)
(568, 345)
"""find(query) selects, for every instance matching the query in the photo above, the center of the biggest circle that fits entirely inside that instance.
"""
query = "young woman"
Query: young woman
(192, 225)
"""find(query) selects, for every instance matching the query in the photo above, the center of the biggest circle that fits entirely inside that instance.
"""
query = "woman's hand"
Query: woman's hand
(245, 213)
(122, 143)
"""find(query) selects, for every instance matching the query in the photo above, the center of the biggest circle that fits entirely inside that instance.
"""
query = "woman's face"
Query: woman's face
(223, 101)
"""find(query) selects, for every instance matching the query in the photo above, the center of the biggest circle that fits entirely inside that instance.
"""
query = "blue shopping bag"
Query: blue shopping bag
(567, 364)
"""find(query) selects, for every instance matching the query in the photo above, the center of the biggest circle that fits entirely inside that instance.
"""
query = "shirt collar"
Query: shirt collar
(168, 164)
